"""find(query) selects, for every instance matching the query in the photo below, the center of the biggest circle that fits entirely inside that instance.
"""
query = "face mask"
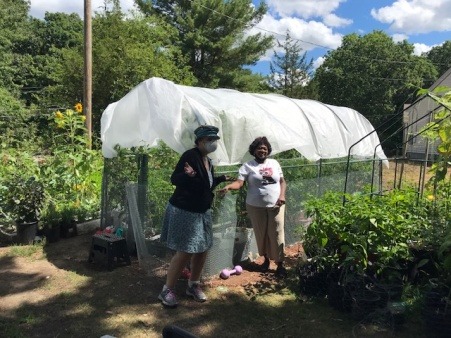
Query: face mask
(211, 146)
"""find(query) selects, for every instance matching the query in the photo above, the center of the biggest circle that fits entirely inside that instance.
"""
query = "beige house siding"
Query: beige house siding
(416, 147)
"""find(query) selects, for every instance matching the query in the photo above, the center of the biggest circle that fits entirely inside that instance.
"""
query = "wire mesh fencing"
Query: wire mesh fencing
(142, 194)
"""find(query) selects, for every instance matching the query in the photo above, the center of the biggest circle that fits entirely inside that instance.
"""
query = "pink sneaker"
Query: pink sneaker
(168, 298)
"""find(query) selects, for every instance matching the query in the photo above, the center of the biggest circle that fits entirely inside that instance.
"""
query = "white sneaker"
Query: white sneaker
(196, 292)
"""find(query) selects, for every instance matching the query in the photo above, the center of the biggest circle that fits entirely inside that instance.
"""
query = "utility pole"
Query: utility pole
(87, 83)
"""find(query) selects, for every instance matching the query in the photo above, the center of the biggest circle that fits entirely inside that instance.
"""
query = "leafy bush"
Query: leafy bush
(369, 233)
(24, 198)
(15, 128)
(15, 166)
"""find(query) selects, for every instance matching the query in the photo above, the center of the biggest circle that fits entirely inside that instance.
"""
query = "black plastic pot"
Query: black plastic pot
(339, 297)
(53, 234)
(388, 292)
(397, 310)
(436, 315)
(364, 302)
(26, 232)
(311, 281)
(68, 229)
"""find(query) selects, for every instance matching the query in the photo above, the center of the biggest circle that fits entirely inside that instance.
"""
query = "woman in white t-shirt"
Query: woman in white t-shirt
(265, 202)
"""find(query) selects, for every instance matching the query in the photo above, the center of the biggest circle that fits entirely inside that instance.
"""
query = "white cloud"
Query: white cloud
(335, 21)
(318, 62)
(361, 31)
(304, 8)
(416, 16)
(310, 34)
(399, 37)
(420, 48)
(39, 7)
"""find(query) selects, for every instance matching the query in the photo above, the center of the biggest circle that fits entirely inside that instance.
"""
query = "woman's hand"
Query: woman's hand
(222, 192)
(280, 202)
(189, 170)
(235, 185)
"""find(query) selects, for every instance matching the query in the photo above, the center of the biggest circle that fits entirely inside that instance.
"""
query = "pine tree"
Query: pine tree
(212, 35)
(290, 71)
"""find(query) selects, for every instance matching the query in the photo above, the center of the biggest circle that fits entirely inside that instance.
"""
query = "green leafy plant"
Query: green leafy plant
(439, 130)
(25, 199)
(368, 233)
(439, 185)
(444, 254)
(12, 162)
(51, 218)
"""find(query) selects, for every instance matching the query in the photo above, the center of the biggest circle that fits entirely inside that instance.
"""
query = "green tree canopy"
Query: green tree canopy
(126, 51)
(440, 56)
(39, 52)
(211, 33)
(14, 129)
(290, 70)
(373, 75)
(13, 28)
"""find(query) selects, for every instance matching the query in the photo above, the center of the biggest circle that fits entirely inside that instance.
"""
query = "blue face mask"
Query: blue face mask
(211, 146)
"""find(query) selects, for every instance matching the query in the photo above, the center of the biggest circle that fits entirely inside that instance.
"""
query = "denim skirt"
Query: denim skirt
(187, 231)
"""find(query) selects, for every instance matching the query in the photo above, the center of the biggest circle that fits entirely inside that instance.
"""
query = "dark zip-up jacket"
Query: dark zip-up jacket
(193, 193)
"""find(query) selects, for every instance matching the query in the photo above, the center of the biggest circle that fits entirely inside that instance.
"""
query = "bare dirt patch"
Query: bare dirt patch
(405, 173)
(57, 293)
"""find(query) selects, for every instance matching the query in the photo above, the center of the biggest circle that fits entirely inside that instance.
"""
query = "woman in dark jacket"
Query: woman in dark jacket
(187, 227)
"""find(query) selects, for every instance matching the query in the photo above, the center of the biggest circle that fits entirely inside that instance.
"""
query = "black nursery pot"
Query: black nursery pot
(364, 302)
(397, 311)
(68, 229)
(429, 269)
(339, 297)
(53, 234)
(388, 293)
(436, 315)
(26, 232)
(312, 282)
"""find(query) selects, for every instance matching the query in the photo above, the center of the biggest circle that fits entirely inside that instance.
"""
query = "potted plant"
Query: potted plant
(68, 223)
(51, 223)
(24, 200)
(437, 300)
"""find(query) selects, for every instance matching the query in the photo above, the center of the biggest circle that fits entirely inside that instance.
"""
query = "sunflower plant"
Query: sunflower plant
(73, 173)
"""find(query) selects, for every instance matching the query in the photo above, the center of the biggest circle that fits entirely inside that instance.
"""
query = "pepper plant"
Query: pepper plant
(440, 183)
(368, 233)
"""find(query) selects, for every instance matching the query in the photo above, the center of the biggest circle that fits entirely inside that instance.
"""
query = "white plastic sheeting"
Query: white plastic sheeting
(158, 109)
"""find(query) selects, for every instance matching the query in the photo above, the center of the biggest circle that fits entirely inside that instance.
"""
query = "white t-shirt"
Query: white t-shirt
(263, 181)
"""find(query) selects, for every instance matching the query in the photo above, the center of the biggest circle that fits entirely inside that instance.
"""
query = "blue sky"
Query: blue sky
(314, 23)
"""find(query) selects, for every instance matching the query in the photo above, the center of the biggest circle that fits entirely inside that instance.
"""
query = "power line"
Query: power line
(308, 42)
(262, 29)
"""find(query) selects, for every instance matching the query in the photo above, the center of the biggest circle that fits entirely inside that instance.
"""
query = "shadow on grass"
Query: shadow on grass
(85, 300)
